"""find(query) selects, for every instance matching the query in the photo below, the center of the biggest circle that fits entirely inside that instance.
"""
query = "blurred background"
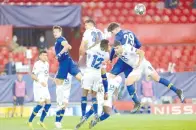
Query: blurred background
(167, 32)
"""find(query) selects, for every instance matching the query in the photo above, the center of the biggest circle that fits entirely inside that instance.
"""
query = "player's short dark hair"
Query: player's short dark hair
(41, 52)
(57, 27)
(117, 43)
(104, 45)
(90, 21)
(112, 26)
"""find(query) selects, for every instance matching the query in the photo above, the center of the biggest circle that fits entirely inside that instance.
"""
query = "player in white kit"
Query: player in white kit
(91, 38)
(96, 56)
(105, 106)
(62, 98)
(136, 59)
(40, 75)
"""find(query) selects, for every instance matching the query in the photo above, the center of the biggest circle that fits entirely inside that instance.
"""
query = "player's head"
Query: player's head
(57, 31)
(114, 28)
(118, 47)
(19, 77)
(104, 45)
(89, 24)
(43, 56)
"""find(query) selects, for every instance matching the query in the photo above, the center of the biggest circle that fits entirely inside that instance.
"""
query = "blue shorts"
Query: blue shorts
(19, 101)
(67, 66)
(120, 67)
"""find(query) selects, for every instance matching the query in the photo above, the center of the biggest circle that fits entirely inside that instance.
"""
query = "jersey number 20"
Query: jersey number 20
(96, 62)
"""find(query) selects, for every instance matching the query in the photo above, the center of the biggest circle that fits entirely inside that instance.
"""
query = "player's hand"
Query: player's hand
(26, 97)
(105, 96)
(58, 56)
(14, 97)
(43, 84)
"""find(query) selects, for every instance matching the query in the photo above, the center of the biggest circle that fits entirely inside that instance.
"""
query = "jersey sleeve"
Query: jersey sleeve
(137, 42)
(35, 68)
(112, 53)
(85, 36)
(118, 38)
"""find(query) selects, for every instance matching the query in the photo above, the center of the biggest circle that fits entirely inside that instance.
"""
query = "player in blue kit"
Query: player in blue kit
(66, 65)
(124, 37)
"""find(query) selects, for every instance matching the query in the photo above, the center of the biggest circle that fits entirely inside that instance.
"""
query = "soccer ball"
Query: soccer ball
(140, 9)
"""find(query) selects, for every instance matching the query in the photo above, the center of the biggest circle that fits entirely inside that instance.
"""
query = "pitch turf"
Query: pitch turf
(116, 122)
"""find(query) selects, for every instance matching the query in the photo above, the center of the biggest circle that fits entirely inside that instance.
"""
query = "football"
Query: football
(140, 9)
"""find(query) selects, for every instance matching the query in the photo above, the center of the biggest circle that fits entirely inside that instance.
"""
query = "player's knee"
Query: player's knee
(79, 76)
(155, 77)
(94, 94)
(85, 92)
(130, 80)
(112, 76)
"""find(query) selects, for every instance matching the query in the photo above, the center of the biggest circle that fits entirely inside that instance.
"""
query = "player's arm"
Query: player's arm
(137, 42)
(66, 47)
(82, 48)
(141, 54)
(83, 45)
(112, 53)
(34, 77)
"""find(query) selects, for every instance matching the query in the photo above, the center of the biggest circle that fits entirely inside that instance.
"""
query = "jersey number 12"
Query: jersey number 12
(96, 62)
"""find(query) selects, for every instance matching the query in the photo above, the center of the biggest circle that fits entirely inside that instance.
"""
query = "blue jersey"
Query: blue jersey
(66, 64)
(59, 47)
(126, 37)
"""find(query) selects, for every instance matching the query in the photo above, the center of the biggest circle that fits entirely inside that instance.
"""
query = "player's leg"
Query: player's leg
(117, 69)
(131, 77)
(14, 107)
(35, 111)
(45, 110)
(107, 108)
(62, 100)
(104, 79)
(95, 103)
(21, 103)
(149, 70)
(74, 70)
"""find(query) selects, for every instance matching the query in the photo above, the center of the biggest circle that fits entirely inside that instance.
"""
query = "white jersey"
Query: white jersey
(113, 84)
(129, 55)
(41, 70)
(95, 57)
(90, 36)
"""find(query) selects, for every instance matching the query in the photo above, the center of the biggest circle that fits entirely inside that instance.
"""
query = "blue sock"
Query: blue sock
(95, 106)
(45, 111)
(35, 111)
(104, 116)
(132, 93)
(105, 82)
(83, 105)
(168, 84)
(62, 114)
(89, 113)
(58, 114)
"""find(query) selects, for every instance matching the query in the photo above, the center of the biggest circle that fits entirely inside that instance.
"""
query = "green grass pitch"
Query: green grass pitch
(116, 122)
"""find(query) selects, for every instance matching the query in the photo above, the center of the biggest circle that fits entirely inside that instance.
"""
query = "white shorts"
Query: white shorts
(41, 93)
(146, 100)
(102, 102)
(91, 79)
(145, 68)
(63, 93)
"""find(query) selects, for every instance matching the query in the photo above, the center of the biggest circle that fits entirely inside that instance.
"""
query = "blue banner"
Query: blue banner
(185, 81)
(31, 16)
